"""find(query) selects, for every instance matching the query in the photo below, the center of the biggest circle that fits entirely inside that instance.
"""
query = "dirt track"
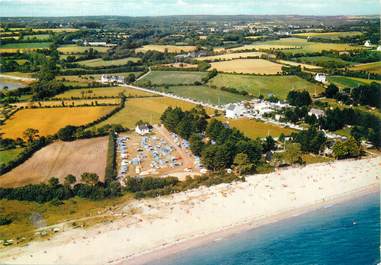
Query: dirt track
(58, 160)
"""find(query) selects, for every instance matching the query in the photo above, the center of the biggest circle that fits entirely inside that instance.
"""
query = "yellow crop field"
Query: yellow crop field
(369, 67)
(49, 120)
(169, 48)
(248, 66)
(56, 30)
(74, 103)
(102, 92)
(254, 128)
(73, 49)
(146, 109)
(231, 56)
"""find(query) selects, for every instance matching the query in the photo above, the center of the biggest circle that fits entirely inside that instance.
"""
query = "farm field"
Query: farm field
(247, 66)
(172, 77)
(302, 65)
(99, 62)
(75, 49)
(181, 65)
(37, 37)
(17, 74)
(49, 120)
(298, 45)
(205, 94)
(265, 85)
(323, 61)
(102, 92)
(329, 35)
(254, 128)
(9, 155)
(58, 160)
(231, 56)
(13, 47)
(79, 102)
(86, 79)
(369, 67)
(344, 81)
(56, 30)
(146, 109)
(169, 48)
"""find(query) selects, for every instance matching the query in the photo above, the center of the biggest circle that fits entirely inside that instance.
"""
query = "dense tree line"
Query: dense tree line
(366, 125)
(299, 98)
(363, 95)
(90, 188)
(311, 140)
(110, 171)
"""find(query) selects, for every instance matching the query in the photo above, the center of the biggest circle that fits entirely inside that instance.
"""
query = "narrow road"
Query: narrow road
(140, 77)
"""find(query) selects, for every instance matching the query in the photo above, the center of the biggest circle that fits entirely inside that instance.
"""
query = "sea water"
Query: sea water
(346, 233)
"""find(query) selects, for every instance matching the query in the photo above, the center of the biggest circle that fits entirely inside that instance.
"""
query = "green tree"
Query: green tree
(346, 149)
(30, 134)
(90, 178)
(67, 133)
(268, 144)
(293, 153)
(54, 182)
(196, 144)
(242, 163)
(69, 180)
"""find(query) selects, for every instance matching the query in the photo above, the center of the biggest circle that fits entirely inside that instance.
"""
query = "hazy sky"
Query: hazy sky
(184, 7)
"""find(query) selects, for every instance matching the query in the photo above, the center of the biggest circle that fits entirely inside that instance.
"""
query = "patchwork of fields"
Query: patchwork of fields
(344, 81)
(231, 56)
(103, 92)
(323, 61)
(248, 66)
(329, 35)
(369, 67)
(49, 120)
(14, 47)
(168, 48)
(297, 45)
(265, 85)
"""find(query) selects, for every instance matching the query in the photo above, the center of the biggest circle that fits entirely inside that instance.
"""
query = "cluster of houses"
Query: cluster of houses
(195, 54)
(122, 149)
(112, 79)
(143, 129)
(98, 44)
(255, 108)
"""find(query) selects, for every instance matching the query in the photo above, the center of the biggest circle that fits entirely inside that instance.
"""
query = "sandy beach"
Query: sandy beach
(161, 226)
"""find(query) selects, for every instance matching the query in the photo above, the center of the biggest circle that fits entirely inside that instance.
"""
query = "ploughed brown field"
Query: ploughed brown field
(58, 160)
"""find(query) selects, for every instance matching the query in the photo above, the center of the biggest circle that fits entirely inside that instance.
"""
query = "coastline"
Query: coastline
(198, 241)
(158, 227)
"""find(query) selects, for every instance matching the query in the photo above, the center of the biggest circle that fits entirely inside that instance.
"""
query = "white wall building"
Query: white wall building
(316, 112)
(112, 79)
(367, 43)
(234, 111)
(321, 77)
(143, 129)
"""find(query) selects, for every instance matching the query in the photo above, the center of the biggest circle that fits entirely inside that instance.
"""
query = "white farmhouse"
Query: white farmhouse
(234, 111)
(112, 79)
(321, 77)
(379, 48)
(318, 113)
(143, 129)
(367, 43)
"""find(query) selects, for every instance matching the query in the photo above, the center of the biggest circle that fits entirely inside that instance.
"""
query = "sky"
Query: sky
(11, 8)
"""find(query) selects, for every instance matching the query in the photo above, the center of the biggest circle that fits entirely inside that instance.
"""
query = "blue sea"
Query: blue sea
(346, 233)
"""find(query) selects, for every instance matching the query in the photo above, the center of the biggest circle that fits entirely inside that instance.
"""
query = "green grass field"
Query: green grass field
(204, 94)
(9, 155)
(369, 67)
(297, 45)
(265, 85)
(323, 61)
(329, 35)
(344, 81)
(172, 77)
(100, 62)
(13, 47)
